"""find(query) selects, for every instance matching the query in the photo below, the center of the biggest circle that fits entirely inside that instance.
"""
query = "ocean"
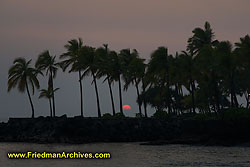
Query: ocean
(130, 155)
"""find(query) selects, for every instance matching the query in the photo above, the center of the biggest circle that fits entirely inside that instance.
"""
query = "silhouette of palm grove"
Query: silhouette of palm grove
(206, 78)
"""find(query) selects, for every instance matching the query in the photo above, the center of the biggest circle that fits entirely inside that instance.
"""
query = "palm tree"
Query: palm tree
(158, 73)
(209, 77)
(72, 55)
(153, 96)
(244, 45)
(229, 68)
(200, 38)
(48, 93)
(47, 62)
(89, 62)
(111, 67)
(116, 74)
(21, 75)
(242, 51)
(129, 75)
(144, 88)
(187, 62)
(177, 81)
(202, 45)
(105, 68)
(134, 73)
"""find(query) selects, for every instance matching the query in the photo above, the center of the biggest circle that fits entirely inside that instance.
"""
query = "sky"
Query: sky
(28, 27)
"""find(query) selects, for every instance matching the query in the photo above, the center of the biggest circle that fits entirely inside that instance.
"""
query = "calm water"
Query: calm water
(132, 155)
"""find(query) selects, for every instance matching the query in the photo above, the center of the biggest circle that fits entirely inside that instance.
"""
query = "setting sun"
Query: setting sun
(126, 107)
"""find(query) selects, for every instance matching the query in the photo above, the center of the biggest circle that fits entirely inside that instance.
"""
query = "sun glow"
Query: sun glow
(126, 107)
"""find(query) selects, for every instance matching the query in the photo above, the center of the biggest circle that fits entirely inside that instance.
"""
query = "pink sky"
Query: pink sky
(141, 24)
(27, 27)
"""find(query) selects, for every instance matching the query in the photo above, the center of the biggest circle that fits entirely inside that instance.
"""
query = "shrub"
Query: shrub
(162, 115)
(236, 114)
(138, 115)
(119, 115)
(206, 116)
(107, 116)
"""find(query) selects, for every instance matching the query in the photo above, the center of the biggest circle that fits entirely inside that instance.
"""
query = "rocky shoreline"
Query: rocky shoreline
(148, 131)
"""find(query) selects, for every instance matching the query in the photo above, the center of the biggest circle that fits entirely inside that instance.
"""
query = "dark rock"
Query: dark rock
(154, 131)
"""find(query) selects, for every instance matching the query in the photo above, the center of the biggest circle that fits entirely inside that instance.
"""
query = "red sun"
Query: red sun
(126, 107)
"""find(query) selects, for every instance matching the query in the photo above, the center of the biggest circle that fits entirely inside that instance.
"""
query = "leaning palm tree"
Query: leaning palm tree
(116, 73)
(105, 69)
(21, 75)
(72, 55)
(48, 93)
(48, 63)
(89, 61)
(144, 89)
(134, 69)
(123, 60)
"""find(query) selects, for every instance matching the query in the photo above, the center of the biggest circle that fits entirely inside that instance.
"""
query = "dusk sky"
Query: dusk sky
(28, 27)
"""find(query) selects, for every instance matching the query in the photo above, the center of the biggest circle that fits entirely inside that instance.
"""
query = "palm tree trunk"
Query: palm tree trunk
(97, 96)
(232, 99)
(236, 101)
(50, 107)
(216, 92)
(168, 86)
(192, 91)
(32, 107)
(120, 94)
(53, 97)
(232, 91)
(144, 100)
(247, 99)
(81, 95)
(138, 94)
(168, 94)
(111, 96)
(176, 108)
(217, 98)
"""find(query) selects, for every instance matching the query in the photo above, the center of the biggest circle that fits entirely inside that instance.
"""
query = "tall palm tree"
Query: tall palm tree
(242, 51)
(142, 75)
(105, 69)
(48, 93)
(158, 73)
(117, 73)
(176, 81)
(209, 78)
(187, 62)
(144, 100)
(21, 75)
(126, 57)
(134, 74)
(48, 63)
(72, 55)
(202, 45)
(229, 67)
(89, 62)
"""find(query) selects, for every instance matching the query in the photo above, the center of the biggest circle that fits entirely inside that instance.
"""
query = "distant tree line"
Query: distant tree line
(205, 78)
